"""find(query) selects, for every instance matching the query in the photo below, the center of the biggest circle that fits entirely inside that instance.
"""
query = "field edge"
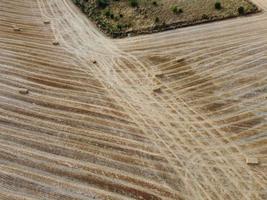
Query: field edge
(163, 27)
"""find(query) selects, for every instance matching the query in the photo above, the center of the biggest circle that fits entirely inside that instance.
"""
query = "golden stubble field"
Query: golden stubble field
(173, 115)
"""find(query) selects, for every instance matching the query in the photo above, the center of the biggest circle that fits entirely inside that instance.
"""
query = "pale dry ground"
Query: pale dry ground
(96, 131)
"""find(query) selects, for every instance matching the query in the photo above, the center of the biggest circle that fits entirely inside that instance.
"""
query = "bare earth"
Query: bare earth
(90, 130)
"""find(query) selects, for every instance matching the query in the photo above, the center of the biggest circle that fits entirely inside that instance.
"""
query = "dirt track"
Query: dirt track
(97, 131)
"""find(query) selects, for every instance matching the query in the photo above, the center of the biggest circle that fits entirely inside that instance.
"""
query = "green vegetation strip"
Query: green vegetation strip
(119, 18)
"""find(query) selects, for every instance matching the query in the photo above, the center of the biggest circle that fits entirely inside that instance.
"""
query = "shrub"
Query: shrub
(241, 10)
(116, 18)
(107, 13)
(134, 3)
(119, 26)
(218, 5)
(204, 16)
(155, 3)
(157, 20)
(102, 3)
(174, 9)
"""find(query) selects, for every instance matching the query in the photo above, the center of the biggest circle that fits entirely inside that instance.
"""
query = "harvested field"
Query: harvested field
(80, 120)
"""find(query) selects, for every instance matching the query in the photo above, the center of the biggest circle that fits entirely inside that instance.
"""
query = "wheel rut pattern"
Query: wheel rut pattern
(91, 126)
